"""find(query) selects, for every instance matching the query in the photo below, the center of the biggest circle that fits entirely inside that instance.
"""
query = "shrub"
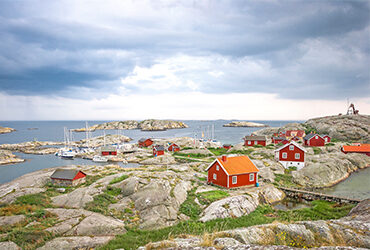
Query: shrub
(189, 207)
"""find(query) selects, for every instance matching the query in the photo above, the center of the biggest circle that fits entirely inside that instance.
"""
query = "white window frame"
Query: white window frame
(251, 177)
(249, 142)
(316, 137)
(234, 179)
(284, 155)
(255, 142)
(297, 154)
(215, 176)
(217, 167)
(326, 139)
(291, 147)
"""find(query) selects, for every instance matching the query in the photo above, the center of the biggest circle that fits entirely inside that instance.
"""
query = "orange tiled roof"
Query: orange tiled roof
(238, 165)
(363, 148)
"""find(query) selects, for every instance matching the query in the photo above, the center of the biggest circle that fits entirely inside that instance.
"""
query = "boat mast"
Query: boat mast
(87, 135)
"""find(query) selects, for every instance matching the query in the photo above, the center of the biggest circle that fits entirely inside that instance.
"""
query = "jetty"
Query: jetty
(310, 196)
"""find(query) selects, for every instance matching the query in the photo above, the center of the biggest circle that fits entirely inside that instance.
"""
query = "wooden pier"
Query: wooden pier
(310, 196)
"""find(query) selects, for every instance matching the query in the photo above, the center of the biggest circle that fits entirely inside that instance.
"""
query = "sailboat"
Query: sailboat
(66, 152)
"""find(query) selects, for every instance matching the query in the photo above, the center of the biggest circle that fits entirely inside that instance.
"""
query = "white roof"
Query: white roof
(291, 143)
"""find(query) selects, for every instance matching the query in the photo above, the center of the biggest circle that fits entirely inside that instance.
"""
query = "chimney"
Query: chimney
(224, 158)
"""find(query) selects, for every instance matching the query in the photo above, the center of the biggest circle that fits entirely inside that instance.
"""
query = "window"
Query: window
(297, 156)
(285, 155)
(255, 142)
(291, 147)
(326, 139)
(316, 137)
(215, 176)
(217, 167)
(251, 177)
(249, 142)
(235, 179)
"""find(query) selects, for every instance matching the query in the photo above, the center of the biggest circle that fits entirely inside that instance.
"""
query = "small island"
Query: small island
(146, 125)
(4, 130)
(245, 124)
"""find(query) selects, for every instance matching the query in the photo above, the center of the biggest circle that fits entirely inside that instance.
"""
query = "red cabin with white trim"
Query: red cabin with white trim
(291, 155)
(314, 140)
(326, 138)
(254, 140)
(173, 148)
(158, 150)
(145, 142)
(231, 172)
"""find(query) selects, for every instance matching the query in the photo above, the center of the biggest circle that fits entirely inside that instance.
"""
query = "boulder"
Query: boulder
(234, 206)
(11, 220)
(269, 194)
(78, 198)
(9, 245)
(84, 242)
(129, 186)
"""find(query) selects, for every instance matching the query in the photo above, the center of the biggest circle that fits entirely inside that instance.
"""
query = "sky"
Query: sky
(247, 60)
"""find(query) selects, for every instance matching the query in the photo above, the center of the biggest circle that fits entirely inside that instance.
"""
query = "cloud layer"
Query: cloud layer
(310, 50)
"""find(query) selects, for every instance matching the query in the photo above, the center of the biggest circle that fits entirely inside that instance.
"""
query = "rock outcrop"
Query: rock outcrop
(270, 131)
(84, 242)
(7, 157)
(4, 130)
(343, 127)
(352, 231)
(244, 124)
(146, 125)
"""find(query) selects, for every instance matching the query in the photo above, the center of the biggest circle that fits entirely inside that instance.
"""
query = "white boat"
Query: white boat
(98, 158)
(67, 154)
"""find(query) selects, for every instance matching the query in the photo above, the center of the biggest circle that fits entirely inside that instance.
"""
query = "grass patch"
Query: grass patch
(208, 197)
(34, 199)
(102, 201)
(199, 156)
(218, 151)
(185, 160)
(119, 179)
(189, 207)
(202, 178)
(28, 238)
(329, 144)
(289, 170)
(242, 152)
(285, 180)
(316, 150)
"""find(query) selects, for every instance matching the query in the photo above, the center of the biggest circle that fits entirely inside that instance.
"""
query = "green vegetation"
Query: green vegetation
(208, 197)
(102, 201)
(243, 152)
(289, 170)
(329, 144)
(185, 160)
(316, 150)
(192, 155)
(189, 207)
(218, 151)
(39, 199)
(285, 180)
(262, 215)
(119, 179)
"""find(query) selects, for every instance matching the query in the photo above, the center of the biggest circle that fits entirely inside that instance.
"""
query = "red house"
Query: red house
(145, 142)
(291, 155)
(314, 140)
(296, 138)
(230, 172)
(108, 150)
(67, 177)
(277, 140)
(359, 148)
(292, 133)
(254, 140)
(158, 150)
(326, 138)
(227, 146)
(173, 148)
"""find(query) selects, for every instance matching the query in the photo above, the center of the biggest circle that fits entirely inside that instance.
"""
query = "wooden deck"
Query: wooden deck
(310, 196)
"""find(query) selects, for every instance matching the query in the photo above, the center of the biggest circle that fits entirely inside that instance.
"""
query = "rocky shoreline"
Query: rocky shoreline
(245, 124)
(146, 125)
(4, 130)
(7, 157)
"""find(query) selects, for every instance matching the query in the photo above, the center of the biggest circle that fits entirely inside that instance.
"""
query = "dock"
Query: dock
(310, 196)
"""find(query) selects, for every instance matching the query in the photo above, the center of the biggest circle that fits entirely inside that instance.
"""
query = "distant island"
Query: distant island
(146, 125)
(4, 130)
(245, 124)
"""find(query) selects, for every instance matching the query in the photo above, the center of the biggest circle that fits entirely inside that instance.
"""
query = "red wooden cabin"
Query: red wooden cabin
(359, 148)
(67, 177)
(326, 138)
(291, 155)
(145, 142)
(231, 172)
(108, 150)
(254, 140)
(158, 150)
(277, 140)
(227, 146)
(292, 133)
(173, 148)
(314, 140)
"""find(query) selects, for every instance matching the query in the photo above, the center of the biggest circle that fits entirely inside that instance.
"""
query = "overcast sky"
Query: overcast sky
(253, 60)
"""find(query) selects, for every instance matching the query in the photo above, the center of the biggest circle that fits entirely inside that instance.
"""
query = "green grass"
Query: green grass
(199, 156)
(316, 151)
(34, 199)
(119, 179)
(285, 180)
(208, 197)
(242, 152)
(189, 207)
(320, 210)
(102, 201)
(329, 144)
(289, 170)
(218, 151)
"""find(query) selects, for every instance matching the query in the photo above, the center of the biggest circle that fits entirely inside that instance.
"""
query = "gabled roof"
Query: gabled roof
(159, 147)
(255, 138)
(310, 136)
(144, 139)
(362, 148)
(65, 174)
(324, 136)
(108, 148)
(236, 165)
(291, 143)
(278, 138)
(173, 145)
